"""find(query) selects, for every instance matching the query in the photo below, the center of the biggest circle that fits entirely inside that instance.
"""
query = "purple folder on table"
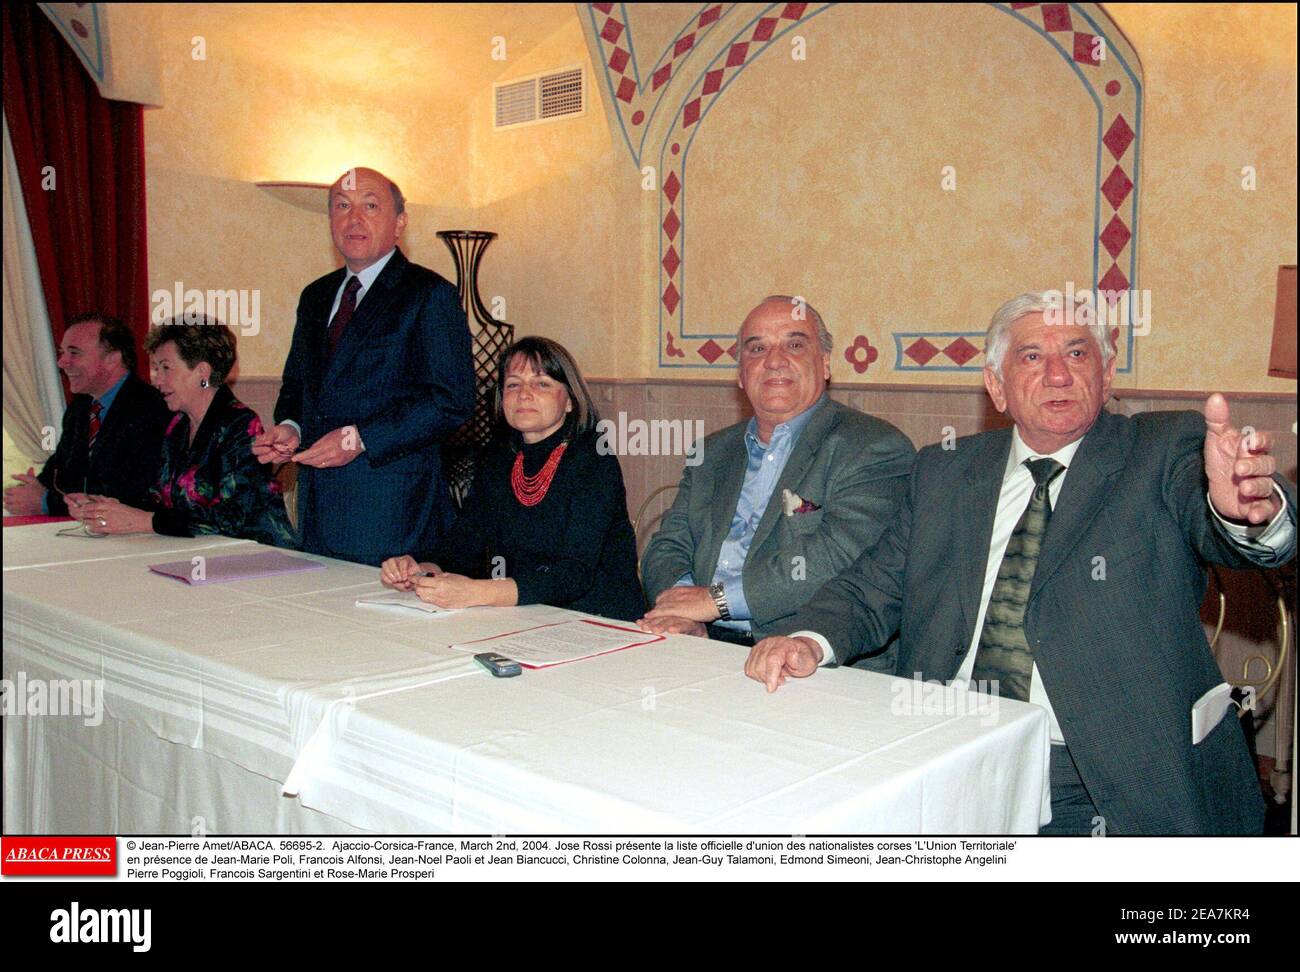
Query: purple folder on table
(232, 567)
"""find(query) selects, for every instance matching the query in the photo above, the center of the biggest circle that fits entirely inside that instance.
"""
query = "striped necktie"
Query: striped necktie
(96, 409)
(1004, 653)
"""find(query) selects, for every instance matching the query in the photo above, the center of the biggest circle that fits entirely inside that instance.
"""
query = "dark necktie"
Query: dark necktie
(96, 409)
(1004, 653)
(344, 314)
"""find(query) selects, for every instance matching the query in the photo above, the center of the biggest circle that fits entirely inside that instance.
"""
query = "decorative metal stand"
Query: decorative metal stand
(463, 448)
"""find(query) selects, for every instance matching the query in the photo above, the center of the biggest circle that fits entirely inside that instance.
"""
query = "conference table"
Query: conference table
(278, 705)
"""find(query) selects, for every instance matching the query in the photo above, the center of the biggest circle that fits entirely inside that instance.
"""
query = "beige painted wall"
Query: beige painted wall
(551, 191)
(229, 122)
(824, 179)
(870, 234)
(821, 177)
(1221, 95)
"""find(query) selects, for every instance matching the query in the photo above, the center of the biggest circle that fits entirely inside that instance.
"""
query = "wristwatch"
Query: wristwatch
(719, 596)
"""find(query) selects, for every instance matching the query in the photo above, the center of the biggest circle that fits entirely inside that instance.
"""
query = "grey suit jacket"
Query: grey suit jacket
(1113, 611)
(852, 465)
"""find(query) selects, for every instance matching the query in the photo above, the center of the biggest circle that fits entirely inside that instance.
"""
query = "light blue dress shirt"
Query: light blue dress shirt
(763, 469)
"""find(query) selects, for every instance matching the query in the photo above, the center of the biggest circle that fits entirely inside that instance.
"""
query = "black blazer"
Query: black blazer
(216, 484)
(128, 449)
(404, 376)
(574, 549)
(1122, 654)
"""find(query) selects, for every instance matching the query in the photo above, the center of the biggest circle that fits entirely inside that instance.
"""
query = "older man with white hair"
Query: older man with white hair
(1063, 562)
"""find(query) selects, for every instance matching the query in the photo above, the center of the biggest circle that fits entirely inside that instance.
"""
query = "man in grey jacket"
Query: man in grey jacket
(779, 504)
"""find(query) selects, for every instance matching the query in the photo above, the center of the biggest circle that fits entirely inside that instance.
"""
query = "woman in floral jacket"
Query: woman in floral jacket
(210, 482)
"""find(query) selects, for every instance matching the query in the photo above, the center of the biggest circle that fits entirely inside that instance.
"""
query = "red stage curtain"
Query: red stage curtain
(90, 229)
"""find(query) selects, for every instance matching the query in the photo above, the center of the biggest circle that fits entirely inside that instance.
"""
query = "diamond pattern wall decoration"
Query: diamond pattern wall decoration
(710, 351)
(1056, 16)
(938, 351)
(1118, 137)
(1116, 187)
(671, 298)
(1115, 236)
(921, 351)
(719, 41)
(961, 351)
(611, 27)
(1113, 282)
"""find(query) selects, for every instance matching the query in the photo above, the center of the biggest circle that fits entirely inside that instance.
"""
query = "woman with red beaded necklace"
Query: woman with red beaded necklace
(546, 519)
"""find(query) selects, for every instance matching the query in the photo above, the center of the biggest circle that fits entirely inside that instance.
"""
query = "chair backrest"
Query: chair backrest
(1261, 665)
(641, 524)
(287, 476)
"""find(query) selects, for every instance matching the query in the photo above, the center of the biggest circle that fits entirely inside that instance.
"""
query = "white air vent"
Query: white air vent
(516, 103)
(540, 98)
(561, 94)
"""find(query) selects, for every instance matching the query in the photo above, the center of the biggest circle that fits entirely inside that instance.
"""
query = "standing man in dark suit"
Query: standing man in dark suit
(1063, 563)
(379, 372)
(780, 504)
(111, 444)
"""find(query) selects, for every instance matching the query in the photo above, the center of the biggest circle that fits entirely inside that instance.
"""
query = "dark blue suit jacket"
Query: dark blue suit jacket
(402, 374)
(127, 454)
(1122, 653)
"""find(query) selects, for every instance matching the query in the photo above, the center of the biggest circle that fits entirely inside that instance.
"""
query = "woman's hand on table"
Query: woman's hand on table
(103, 514)
(448, 590)
(400, 573)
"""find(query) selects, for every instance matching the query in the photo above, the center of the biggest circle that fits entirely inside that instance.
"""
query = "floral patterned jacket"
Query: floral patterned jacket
(216, 485)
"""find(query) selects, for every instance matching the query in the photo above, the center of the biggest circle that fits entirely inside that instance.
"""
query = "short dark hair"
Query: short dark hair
(552, 359)
(207, 340)
(114, 335)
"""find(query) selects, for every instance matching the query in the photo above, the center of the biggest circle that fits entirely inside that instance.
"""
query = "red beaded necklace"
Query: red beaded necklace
(531, 490)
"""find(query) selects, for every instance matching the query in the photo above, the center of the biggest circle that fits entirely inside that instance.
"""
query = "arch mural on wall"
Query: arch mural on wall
(659, 115)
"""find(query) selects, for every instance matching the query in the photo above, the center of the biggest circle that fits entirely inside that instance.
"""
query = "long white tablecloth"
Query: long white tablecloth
(214, 693)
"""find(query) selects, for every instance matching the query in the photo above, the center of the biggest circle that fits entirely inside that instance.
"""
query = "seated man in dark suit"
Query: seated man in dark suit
(111, 443)
(1063, 563)
(779, 504)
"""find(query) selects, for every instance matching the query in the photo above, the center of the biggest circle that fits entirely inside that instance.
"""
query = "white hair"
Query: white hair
(823, 335)
(998, 335)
